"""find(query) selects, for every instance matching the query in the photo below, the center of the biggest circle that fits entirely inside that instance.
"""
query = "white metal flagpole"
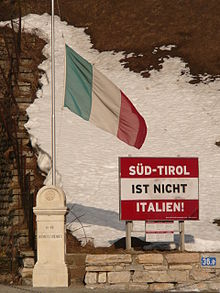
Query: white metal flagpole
(53, 129)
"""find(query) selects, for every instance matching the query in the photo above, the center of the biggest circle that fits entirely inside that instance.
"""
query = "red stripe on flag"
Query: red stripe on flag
(132, 127)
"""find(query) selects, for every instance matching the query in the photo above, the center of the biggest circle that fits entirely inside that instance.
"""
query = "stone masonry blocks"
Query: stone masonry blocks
(151, 258)
(102, 277)
(182, 258)
(155, 272)
(91, 278)
(160, 277)
(107, 259)
(118, 277)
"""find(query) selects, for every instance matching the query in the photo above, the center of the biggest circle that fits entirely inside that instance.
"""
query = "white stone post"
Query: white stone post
(50, 269)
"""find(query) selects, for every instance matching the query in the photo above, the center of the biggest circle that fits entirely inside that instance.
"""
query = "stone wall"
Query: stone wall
(19, 177)
(26, 262)
(150, 271)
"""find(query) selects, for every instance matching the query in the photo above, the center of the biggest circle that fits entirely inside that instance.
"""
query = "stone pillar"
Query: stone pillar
(50, 269)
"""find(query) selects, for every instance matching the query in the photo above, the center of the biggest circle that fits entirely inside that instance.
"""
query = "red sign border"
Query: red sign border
(155, 219)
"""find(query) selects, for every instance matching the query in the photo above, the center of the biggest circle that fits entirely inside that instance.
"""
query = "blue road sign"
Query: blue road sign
(209, 261)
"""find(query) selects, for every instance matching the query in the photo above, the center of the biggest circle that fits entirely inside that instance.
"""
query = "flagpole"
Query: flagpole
(53, 132)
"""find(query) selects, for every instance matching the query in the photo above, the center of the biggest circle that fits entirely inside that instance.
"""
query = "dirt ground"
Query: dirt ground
(140, 26)
(74, 246)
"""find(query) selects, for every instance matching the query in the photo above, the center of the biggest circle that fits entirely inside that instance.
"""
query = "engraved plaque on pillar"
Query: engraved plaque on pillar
(50, 269)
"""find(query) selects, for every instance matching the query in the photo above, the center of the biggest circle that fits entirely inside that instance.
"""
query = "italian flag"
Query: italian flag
(92, 96)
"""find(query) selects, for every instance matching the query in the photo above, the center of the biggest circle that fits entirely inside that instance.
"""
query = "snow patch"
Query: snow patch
(183, 120)
(167, 47)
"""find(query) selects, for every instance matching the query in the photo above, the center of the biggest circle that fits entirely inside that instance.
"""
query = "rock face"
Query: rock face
(151, 271)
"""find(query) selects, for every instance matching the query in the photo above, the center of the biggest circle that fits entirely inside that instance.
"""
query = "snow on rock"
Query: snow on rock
(44, 162)
(167, 48)
(183, 120)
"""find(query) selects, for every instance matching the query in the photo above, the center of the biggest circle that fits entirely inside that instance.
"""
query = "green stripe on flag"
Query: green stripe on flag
(78, 91)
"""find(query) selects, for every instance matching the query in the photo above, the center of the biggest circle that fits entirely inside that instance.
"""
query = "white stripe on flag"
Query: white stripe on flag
(106, 103)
